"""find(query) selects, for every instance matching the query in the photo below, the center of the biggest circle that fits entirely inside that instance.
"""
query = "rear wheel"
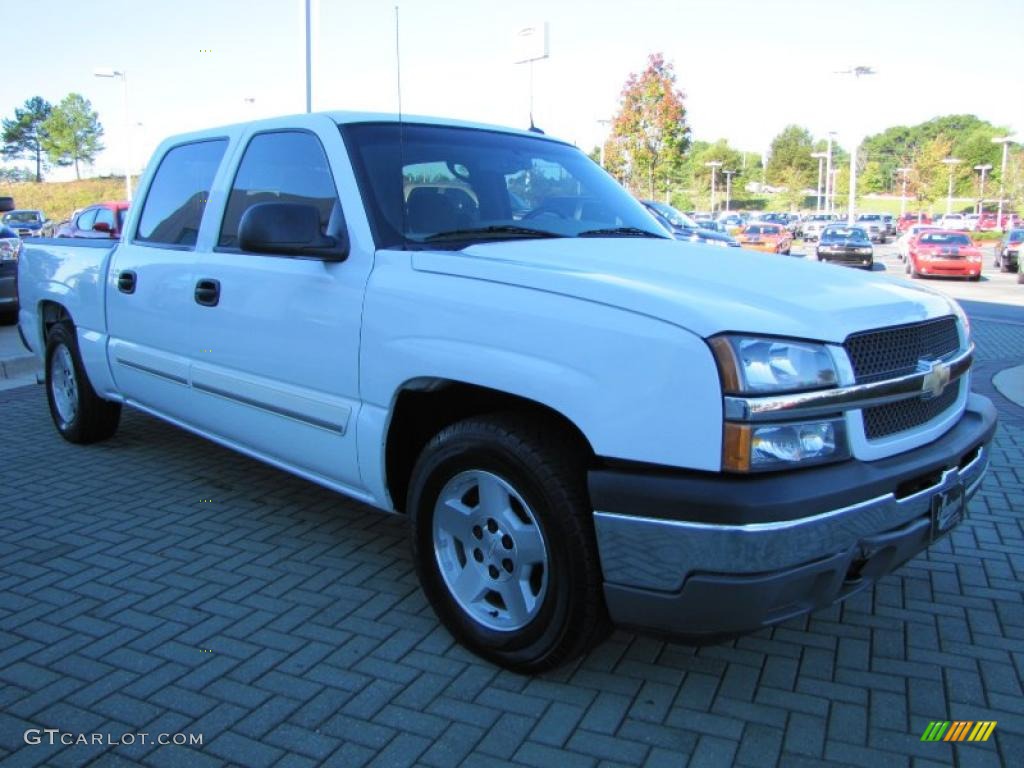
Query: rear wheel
(80, 415)
(504, 543)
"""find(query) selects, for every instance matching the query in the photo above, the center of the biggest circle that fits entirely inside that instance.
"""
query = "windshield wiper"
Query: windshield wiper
(511, 230)
(619, 232)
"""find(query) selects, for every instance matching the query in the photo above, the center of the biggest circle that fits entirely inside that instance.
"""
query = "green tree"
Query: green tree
(71, 134)
(649, 133)
(595, 154)
(790, 154)
(23, 136)
(928, 177)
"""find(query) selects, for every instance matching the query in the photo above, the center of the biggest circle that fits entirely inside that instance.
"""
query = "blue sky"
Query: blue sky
(747, 67)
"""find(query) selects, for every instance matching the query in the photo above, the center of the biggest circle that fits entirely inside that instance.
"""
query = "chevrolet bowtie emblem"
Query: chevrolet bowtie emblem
(936, 378)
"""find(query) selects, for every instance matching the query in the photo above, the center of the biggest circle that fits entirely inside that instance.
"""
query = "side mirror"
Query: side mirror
(289, 229)
(101, 226)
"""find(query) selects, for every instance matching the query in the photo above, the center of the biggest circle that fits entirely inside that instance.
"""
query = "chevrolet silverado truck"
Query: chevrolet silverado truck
(585, 421)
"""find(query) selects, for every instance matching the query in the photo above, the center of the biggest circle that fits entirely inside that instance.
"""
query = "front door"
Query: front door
(276, 364)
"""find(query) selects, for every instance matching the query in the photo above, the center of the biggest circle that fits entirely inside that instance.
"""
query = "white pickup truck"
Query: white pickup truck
(585, 421)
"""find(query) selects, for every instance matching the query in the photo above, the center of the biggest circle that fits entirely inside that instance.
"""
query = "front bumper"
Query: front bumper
(949, 267)
(848, 259)
(703, 554)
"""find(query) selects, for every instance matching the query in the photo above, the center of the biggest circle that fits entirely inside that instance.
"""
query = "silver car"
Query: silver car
(813, 225)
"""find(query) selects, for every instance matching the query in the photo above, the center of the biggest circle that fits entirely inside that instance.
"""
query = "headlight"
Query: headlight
(864, 251)
(749, 365)
(760, 447)
(9, 250)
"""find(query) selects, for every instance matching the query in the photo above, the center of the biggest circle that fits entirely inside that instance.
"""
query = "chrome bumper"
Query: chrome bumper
(657, 554)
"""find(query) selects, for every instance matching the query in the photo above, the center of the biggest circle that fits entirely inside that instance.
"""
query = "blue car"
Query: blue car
(29, 223)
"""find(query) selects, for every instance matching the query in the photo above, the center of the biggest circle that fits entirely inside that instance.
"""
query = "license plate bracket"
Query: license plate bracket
(948, 509)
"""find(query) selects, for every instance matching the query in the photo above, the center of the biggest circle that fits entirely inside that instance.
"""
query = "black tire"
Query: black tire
(9, 317)
(546, 467)
(1020, 273)
(91, 418)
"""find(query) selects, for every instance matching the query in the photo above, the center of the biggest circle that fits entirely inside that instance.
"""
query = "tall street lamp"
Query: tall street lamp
(903, 194)
(606, 124)
(858, 73)
(981, 193)
(114, 73)
(1005, 141)
(714, 165)
(829, 185)
(728, 188)
(951, 164)
(820, 156)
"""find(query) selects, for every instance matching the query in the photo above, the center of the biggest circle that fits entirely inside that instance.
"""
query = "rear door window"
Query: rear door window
(177, 197)
(106, 216)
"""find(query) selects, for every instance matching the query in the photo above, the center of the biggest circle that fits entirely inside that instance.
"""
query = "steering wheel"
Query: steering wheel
(536, 213)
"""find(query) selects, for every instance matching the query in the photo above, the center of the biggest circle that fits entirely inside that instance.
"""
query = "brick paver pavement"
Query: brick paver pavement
(285, 625)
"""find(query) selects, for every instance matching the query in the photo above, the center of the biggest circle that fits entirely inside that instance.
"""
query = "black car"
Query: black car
(10, 247)
(682, 227)
(846, 245)
(1008, 251)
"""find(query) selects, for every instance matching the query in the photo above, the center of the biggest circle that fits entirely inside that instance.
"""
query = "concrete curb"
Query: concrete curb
(1010, 383)
(18, 367)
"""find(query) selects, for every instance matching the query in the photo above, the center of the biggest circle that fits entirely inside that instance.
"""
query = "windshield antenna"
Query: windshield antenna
(401, 134)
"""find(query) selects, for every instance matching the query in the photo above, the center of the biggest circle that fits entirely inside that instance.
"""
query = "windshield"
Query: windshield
(762, 229)
(870, 217)
(675, 217)
(844, 233)
(449, 187)
(22, 217)
(1016, 234)
(944, 238)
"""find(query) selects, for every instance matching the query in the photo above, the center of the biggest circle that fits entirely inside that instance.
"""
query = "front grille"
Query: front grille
(884, 420)
(892, 352)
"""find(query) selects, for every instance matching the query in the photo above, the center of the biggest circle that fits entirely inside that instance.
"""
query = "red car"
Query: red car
(910, 219)
(944, 253)
(103, 220)
(987, 221)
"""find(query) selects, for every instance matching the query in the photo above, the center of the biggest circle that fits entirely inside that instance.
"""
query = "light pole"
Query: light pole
(714, 165)
(829, 190)
(903, 194)
(858, 73)
(950, 163)
(728, 188)
(820, 156)
(1005, 141)
(127, 128)
(981, 192)
(604, 141)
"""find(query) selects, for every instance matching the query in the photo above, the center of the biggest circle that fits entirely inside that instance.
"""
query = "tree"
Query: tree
(929, 176)
(72, 132)
(790, 158)
(649, 133)
(23, 136)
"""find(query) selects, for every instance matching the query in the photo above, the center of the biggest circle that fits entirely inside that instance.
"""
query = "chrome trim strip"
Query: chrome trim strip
(153, 371)
(829, 401)
(264, 406)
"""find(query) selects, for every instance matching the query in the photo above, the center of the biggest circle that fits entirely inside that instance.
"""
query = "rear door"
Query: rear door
(150, 282)
(277, 367)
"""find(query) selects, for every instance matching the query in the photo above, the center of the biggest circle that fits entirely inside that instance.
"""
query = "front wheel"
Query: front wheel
(80, 415)
(503, 540)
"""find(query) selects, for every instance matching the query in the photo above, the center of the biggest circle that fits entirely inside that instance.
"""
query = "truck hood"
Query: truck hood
(703, 290)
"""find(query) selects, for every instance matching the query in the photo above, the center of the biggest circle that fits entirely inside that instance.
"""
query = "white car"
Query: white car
(971, 221)
(583, 420)
(954, 221)
(903, 241)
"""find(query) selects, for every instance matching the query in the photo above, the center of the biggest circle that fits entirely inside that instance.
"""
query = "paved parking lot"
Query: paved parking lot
(158, 583)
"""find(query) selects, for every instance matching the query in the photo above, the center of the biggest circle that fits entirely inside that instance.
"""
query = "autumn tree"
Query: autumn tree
(928, 177)
(649, 133)
(23, 136)
(72, 132)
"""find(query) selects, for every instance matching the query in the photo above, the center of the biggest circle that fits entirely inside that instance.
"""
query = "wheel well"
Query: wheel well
(421, 412)
(51, 313)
